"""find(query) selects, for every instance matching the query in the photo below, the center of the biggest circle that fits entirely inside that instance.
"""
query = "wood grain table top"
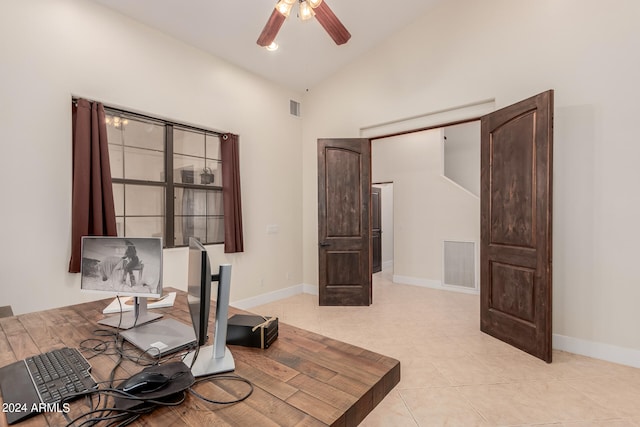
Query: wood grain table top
(302, 379)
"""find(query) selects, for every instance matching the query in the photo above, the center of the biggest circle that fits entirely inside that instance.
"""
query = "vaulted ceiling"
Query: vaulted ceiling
(229, 29)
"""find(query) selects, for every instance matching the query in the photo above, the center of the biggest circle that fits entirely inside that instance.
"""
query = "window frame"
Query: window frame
(168, 184)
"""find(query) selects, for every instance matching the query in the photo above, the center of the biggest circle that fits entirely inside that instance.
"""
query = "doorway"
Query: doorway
(516, 217)
(435, 176)
(386, 227)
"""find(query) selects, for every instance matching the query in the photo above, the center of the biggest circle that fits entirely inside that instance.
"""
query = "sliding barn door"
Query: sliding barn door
(516, 184)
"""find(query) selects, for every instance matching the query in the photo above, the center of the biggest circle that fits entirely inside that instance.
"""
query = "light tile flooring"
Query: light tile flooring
(454, 375)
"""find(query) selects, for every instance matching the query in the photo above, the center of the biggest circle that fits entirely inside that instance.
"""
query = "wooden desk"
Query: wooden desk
(302, 379)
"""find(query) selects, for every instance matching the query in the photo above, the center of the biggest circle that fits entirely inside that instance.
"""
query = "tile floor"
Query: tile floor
(454, 375)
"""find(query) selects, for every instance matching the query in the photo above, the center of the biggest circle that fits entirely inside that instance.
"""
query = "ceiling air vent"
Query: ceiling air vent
(294, 108)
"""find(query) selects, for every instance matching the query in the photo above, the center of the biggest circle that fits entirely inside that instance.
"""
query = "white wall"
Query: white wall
(465, 51)
(461, 52)
(428, 208)
(53, 49)
(387, 224)
(462, 155)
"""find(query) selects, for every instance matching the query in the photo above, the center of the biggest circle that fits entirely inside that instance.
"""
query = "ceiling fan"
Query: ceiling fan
(307, 10)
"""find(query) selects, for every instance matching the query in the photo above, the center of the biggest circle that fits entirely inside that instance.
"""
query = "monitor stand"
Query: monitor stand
(137, 317)
(208, 364)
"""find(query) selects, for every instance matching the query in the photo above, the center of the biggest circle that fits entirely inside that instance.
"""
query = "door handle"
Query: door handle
(324, 244)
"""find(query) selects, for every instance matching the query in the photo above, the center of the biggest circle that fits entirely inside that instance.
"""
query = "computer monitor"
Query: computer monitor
(124, 266)
(216, 358)
(199, 289)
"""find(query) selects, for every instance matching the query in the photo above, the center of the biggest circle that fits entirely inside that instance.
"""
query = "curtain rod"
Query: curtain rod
(74, 100)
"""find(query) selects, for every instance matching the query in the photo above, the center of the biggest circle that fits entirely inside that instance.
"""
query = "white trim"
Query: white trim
(267, 298)
(597, 350)
(416, 281)
(433, 118)
(446, 178)
(310, 289)
(433, 284)
(387, 265)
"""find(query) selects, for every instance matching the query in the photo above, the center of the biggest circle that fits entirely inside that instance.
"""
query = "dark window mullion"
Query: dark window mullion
(124, 183)
(124, 203)
(199, 187)
(168, 182)
(139, 182)
(170, 205)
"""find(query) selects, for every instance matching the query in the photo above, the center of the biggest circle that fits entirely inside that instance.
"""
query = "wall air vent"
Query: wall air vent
(294, 108)
(460, 264)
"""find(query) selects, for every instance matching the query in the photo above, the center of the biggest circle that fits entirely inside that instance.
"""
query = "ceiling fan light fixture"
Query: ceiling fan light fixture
(306, 11)
(273, 46)
(284, 7)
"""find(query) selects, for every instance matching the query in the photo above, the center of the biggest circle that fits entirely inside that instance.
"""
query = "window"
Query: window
(167, 179)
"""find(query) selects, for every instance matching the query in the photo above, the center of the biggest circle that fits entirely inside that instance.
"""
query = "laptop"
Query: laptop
(161, 337)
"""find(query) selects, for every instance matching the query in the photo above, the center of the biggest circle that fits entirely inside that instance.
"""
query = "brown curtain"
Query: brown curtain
(92, 207)
(233, 240)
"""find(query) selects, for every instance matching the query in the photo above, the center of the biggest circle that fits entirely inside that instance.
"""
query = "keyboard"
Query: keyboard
(59, 373)
(39, 383)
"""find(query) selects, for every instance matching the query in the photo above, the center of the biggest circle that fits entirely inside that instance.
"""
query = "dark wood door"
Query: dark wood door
(344, 219)
(376, 229)
(515, 254)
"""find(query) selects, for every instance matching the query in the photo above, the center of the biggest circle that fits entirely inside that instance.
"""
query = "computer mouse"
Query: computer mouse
(145, 382)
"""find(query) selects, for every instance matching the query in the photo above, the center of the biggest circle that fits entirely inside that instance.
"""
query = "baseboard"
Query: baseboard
(267, 298)
(597, 350)
(273, 296)
(433, 284)
(387, 265)
(310, 289)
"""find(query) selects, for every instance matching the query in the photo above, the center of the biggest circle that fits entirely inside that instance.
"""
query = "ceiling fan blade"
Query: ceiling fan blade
(270, 30)
(332, 24)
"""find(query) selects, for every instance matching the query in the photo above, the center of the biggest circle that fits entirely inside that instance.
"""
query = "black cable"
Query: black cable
(222, 377)
(195, 356)
(102, 411)
(100, 348)
(126, 416)
(115, 347)
(113, 344)
(94, 420)
(146, 358)
(127, 421)
(120, 314)
(113, 392)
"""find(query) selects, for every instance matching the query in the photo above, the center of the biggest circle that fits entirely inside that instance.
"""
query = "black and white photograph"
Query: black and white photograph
(124, 266)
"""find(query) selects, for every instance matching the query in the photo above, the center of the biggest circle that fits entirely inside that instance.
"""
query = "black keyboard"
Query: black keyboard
(59, 373)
